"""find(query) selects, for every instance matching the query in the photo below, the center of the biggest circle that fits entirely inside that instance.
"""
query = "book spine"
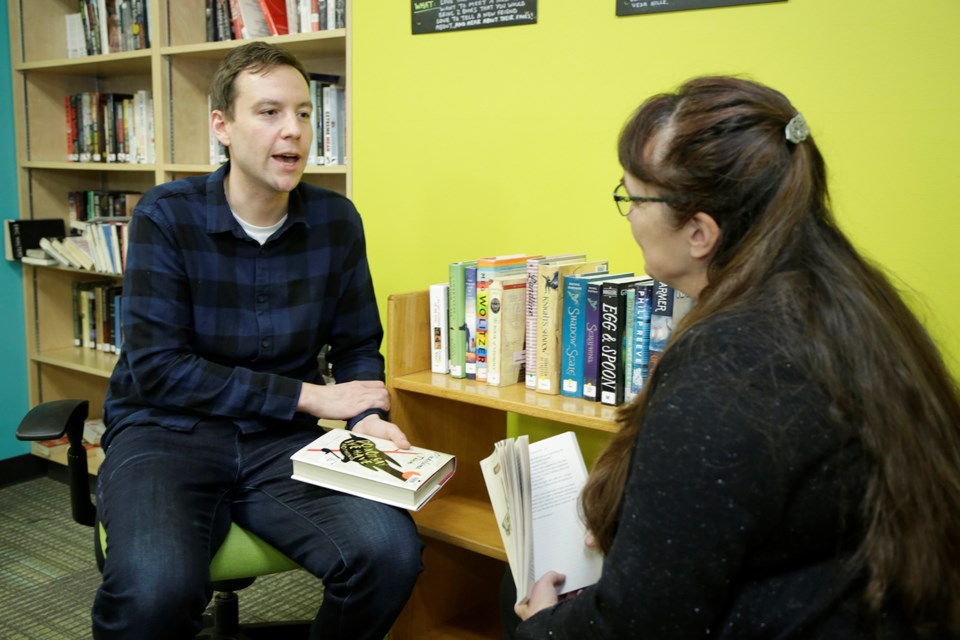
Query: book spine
(641, 338)
(457, 321)
(591, 343)
(16, 241)
(494, 334)
(571, 337)
(470, 316)
(236, 19)
(530, 326)
(661, 320)
(505, 343)
(439, 328)
(548, 319)
(611, 335)
(626, 355)
(275, 13)
(483, 309)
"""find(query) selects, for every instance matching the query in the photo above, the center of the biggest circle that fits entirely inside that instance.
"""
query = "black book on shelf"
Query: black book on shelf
(20, 235)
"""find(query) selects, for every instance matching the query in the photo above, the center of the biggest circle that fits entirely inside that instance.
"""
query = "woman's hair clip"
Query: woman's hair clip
(797, 130)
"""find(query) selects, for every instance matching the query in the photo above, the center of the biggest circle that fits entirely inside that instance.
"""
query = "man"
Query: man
(234, 282)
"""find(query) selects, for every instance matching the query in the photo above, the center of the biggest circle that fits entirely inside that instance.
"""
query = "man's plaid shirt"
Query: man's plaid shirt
(218, 326)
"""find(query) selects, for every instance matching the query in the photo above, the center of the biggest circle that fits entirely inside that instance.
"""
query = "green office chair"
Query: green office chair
(241, 558)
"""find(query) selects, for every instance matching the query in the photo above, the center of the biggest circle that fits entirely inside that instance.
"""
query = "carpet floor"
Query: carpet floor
(48, 574)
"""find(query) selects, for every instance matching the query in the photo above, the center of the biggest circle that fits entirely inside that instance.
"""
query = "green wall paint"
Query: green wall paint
(503, 140)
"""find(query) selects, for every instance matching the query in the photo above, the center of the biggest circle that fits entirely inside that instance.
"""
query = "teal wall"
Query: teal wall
(13, 371)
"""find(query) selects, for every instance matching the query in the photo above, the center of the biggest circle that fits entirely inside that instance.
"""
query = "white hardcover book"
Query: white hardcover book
(373, 468)
(439, 328)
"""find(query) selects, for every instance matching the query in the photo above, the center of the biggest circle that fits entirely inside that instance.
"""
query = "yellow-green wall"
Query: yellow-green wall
(503, 140)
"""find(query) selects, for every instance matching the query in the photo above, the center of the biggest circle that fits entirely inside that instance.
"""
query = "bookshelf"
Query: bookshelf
(176, 69)
(456, 597)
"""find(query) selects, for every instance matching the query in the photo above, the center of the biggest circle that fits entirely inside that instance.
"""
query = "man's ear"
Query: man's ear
(703, 235)
(218, 124)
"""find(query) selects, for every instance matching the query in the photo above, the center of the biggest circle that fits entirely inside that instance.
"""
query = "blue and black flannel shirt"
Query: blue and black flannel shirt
(217, 326)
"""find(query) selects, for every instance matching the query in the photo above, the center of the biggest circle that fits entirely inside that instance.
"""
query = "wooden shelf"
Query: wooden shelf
(124, 63)
(515, 398)
(456, 597)
(82, 360)
(304, 45)
(462, 521)
(88, 166)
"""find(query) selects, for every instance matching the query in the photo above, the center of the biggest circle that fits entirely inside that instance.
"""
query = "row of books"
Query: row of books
(110, 127)
(243, 19)
(96, 315)
(108, 26)
(97, 203)
(559, 324)
(328, 146)
(100, 247)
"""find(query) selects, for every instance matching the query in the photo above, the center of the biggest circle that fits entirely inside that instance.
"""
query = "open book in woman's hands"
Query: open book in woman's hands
(535, 492)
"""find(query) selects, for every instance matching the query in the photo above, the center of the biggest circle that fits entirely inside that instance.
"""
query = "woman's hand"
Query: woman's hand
(542, 596)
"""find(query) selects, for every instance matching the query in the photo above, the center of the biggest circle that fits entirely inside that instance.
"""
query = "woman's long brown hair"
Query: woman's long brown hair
(718, 146)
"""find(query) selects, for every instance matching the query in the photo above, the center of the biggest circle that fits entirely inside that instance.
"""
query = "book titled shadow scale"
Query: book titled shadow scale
(373, 468)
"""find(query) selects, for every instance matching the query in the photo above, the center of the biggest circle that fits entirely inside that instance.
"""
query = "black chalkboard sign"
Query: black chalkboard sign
(633, 7)
(432, 16)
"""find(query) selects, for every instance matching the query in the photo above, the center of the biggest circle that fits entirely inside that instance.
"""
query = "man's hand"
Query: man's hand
(343, 401)
(374, 425)
(542, 596)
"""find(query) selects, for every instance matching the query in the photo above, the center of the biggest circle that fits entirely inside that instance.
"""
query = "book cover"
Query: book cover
(373, 468)
(573, 330)
(530, 333)
(612, 328)
(487, 269)
(534, 490)
(505, 333)
(549, 311)
(20, 235)
(439, 328)
(470, 318)
(458, 321)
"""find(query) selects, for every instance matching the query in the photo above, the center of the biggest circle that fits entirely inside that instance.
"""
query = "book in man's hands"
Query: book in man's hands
(535, 493)
(373, 468)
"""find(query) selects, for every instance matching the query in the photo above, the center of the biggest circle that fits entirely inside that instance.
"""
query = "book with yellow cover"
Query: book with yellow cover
(373, 468)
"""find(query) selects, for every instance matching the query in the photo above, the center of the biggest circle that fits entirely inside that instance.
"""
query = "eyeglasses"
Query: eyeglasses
(625, 201)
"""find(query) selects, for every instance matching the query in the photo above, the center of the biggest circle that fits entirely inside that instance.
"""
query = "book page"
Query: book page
(558, 473)
(493, 476)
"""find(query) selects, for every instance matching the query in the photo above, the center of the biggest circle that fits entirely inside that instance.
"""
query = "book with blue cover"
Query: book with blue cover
(573, 331)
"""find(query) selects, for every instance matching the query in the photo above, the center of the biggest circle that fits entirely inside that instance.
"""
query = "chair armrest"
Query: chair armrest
(50, 420)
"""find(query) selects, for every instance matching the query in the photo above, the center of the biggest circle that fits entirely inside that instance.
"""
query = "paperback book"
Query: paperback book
(535, 492)
(373, 468)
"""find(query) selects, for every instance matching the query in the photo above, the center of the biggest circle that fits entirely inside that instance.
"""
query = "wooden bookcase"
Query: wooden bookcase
(456, 596)
(177, 69)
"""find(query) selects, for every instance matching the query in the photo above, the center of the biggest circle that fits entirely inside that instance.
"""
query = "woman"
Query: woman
(792, 469)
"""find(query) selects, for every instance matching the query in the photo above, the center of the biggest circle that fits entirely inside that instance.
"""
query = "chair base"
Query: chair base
(221, 622)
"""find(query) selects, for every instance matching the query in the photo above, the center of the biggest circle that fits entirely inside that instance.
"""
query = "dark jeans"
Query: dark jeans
(166, 499)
